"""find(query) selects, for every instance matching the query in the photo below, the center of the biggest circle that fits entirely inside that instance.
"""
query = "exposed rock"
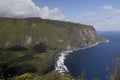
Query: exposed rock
(29, 40)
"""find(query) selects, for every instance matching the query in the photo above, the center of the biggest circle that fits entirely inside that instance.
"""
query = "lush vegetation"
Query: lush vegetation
(28, 47)
(30, 65)
(18, 60)
(50, 76)
(31, 31)
(116, 73)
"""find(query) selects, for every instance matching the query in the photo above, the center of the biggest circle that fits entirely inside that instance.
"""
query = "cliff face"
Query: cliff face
(84, 37)
(56, 34)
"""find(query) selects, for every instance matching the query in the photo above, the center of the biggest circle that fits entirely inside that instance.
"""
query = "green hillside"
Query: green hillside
(56, 34)
(28, 47)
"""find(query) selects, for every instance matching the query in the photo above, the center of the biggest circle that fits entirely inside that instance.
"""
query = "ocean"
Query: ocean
(97, 61)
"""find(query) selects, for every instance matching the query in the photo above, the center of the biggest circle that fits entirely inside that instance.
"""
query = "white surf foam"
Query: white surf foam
(60, 66)
(107, 41)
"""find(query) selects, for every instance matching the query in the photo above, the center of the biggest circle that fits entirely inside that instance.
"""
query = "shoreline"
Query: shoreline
(61, 56)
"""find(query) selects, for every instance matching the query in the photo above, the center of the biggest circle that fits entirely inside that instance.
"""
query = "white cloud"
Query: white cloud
(107, 7)
(89, 14)
(104, 21)
(27, 8)
(111, 10)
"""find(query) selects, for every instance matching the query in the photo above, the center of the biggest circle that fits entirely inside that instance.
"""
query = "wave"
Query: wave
(107, 41)
(60, 66)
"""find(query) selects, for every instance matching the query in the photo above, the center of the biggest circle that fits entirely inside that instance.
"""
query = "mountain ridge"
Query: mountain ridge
(32, 45)
(57, 34)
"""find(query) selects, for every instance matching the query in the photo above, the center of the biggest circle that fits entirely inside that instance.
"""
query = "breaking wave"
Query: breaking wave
(60, 66)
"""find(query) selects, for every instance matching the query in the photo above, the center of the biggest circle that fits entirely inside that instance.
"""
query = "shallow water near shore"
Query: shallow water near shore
(97, 61)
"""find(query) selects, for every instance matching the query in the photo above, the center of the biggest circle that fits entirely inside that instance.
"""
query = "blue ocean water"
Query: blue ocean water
(97, 61)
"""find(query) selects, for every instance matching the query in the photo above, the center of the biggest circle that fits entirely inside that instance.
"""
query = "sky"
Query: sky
(104, 15)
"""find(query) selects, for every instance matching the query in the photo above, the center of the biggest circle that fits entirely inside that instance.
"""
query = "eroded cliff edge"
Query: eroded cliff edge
(56, 34)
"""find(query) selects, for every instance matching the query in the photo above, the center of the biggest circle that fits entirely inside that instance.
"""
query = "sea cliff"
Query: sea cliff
(32, 44)
(55, 34)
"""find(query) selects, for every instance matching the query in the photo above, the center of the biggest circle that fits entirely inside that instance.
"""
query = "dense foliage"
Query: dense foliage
(28, 46)
(116, 73)
(14, 62)
(40, 48)
(50, 76)
(16, 48)
(30, 65)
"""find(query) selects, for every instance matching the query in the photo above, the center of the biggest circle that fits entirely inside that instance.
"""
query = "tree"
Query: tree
(40, 48)
(16, 48)
(6, 70)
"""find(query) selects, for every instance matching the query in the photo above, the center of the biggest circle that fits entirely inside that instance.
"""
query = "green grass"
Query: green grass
(27, 33)
(56, 34)
(28, 61)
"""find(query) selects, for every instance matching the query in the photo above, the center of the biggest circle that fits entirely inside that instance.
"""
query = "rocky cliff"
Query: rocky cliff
(56, 34)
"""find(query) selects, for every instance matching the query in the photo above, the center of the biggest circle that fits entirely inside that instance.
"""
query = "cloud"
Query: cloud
(111, 10)
(107, 7)
(89, 14)
(27, 8)
(103, 21)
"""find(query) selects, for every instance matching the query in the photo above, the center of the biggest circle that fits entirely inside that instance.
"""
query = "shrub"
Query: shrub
(16, 48)
(40, 48)
(26, 76)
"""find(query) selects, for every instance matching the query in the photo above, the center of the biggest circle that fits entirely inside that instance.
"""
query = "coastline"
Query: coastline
(59, 61)
(61, 56)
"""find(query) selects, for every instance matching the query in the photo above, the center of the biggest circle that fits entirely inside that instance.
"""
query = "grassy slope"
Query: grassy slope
(16, 32)
(27, 61)
(31, 31)
(28, 65)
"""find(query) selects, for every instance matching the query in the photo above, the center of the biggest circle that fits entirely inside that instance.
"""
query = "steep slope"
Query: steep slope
(56, 34)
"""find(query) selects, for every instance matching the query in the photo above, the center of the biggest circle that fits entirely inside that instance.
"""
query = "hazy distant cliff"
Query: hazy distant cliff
(57, 34)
